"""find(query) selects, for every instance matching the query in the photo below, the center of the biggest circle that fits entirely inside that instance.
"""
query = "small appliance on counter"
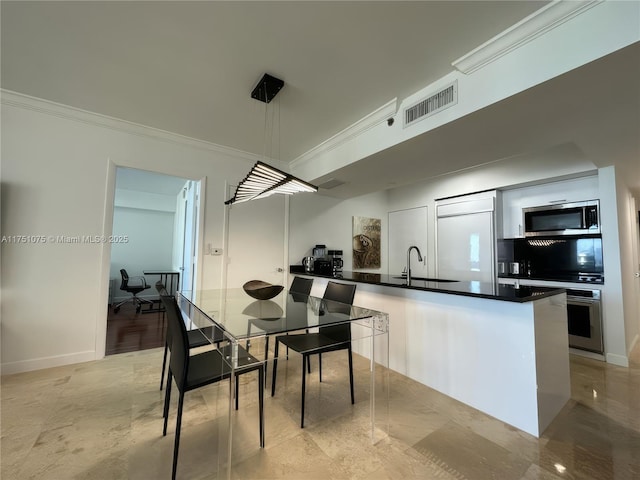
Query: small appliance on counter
(308, 263)
(336, 262)
(319, 252)
(323, 261)
(323, 267)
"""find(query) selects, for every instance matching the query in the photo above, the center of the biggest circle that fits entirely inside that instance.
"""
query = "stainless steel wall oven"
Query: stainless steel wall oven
(584, 316)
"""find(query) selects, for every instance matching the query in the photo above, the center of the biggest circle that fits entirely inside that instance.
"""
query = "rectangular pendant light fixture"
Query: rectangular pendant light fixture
(264, 180)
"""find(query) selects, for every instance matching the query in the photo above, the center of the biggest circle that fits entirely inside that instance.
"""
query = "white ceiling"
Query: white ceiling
(189, 68)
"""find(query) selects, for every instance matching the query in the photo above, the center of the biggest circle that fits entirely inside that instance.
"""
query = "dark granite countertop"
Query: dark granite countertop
(492, 291)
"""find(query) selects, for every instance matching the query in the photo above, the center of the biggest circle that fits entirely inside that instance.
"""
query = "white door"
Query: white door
(407, 228)
(186, 234)
(465, 248)
(256, 241)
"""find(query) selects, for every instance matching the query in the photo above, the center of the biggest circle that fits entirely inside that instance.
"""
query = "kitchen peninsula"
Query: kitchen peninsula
(499, 349)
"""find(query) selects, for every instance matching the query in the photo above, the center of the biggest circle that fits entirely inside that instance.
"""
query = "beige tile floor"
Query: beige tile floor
(103, 420)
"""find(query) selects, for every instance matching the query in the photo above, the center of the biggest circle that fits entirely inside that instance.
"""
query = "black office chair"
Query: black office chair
(138, 284)
(327, 339)
(197, 338)
(194, 371)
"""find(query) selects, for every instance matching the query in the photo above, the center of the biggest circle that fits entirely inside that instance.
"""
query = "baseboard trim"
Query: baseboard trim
(587, 354)
(619, 360)
(47, 362)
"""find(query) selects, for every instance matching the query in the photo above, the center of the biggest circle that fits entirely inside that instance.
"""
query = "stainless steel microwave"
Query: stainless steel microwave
(576, 218)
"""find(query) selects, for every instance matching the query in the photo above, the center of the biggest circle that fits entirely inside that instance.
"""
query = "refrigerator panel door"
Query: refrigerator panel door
(465, 248)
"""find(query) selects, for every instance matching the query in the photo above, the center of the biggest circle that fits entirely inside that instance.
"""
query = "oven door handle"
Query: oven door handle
(582, 300)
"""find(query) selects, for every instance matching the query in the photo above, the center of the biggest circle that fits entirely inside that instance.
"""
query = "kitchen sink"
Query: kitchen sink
(427, 279)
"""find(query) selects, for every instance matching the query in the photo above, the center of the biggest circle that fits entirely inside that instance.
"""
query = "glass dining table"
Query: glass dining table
(241, 327)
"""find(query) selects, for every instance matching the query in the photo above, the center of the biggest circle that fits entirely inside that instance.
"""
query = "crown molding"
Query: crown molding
(381, 114)
(47, 107)
(538, 23)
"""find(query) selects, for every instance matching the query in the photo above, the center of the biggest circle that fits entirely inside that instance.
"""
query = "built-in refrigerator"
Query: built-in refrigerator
(465, 239)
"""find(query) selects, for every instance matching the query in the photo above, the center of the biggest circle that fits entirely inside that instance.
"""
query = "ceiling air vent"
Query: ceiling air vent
(431, 105)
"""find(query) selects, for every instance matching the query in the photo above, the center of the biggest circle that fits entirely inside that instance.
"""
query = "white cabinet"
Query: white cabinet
(513, 201)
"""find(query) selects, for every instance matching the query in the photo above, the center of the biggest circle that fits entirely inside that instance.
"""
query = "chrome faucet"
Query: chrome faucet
(409, 261)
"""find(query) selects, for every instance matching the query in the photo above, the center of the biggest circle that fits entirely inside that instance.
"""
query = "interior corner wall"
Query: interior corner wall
(318, 219)
(615, 253)
(57, 175)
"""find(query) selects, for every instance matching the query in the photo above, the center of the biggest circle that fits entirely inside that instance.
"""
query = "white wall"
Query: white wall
(149, 245)
(253, 231)
(58, 178)
(317, 219)
(613, 228)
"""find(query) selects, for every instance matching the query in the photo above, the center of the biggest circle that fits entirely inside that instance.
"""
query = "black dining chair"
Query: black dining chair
(301, 285)
(337, 298)
(194, 371)
(197, 338)
(300, 289)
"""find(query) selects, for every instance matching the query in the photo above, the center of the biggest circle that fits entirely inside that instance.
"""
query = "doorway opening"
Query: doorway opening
(156, 225)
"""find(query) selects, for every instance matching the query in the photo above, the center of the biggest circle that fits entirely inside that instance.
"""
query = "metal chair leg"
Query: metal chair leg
(304, 381)
(176, 445)
(266, 353)
(164, 364)
(167, 399)
(237, 390)
(275, 368)
(261, 375)
(351, 375)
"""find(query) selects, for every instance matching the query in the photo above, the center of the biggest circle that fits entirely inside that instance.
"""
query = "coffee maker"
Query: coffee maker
(319, 252)
(335, 257)
(321, 265)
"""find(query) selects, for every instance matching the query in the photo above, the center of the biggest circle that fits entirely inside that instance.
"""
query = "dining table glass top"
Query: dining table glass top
(242, 316)
(240, 326)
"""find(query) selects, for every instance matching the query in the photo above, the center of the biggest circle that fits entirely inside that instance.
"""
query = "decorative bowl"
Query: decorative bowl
(261, 290)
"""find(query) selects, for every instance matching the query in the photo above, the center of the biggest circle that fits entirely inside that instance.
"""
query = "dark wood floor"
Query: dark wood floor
(128, 331)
